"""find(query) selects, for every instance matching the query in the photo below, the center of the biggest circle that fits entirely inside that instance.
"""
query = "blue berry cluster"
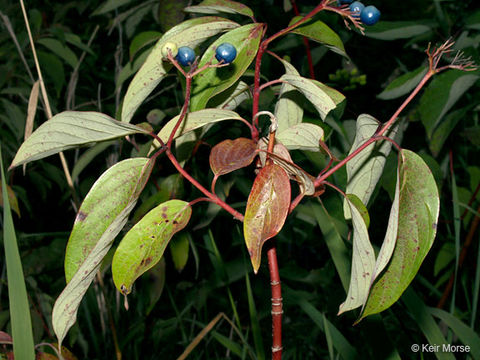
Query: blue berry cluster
(369, 15)
(225, 53)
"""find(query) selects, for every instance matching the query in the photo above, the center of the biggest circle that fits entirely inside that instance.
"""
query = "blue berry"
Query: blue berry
(185, 56)
(370, 15)
(226, 52)
(356, 8)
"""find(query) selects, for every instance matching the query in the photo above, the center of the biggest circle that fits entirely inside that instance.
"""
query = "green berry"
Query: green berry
(169, 47)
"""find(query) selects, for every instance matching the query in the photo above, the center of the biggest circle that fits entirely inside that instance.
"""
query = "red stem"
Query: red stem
(306, 42)
(207, 193)
(379, 134)
(277, 304)
(188, 88)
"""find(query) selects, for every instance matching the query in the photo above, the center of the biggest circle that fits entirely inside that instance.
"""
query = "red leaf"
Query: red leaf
(230, 155)
(267, 209)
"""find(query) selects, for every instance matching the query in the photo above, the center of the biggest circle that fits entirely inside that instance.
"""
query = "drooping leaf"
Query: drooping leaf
(189, 33)
(320, 32)
(267, 209)
(61, 50)
(305, 180)
(213, 81)
(143, 246)
(195, 120)
(101, 217)
(363, 258)
(20, 321)
(393, 30)
(441, 94)
(12, 199)
(304, 136)
(279, 149)
(417, 223)
(141, 40)
(240, 94)
(365, 169)
(179, 249)
(287, 109)
(71, 129)
(216, 6)
(315, 94)
(403, 84)
(231, 155)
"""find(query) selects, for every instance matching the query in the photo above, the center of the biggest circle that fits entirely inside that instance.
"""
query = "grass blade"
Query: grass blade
(476, 292)
(421, 314)
(23, 345)
(256, 330)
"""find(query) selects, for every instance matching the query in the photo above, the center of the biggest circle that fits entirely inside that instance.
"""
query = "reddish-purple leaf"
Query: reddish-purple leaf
(267, 209)
(231, 155)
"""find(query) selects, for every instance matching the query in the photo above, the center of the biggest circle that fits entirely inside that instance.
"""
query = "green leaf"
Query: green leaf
(189, 33)
(363, 258)
(239, 94)
(341, 344)
(314, 93)
(304, 136)
(254, 321)
(195, 120)
(102, 215)
(473, 134)
(403, 84)
(365, 169)
(417, 225)
(441, 94)
(12, 199)
(320, 32)
(267, 209)
(143, 246)
(213, 81)
(141, 40)
(333, 239)
(445, 128)
(473, 21)
(216, 6)
(171, 13)
(61, 50)
(392, 30)
(231, 155)
(71, 129)
(20, 321)
(421, 316)
(179, 248)
(87, 157)
(110, 5)
(466, 334)
(287, 109)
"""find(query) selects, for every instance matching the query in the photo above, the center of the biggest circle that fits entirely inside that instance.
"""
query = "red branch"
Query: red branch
(277, 304)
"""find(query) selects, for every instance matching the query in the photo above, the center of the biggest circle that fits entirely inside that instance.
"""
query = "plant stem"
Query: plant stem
(207, 193)
(379, 133)
(277, 303)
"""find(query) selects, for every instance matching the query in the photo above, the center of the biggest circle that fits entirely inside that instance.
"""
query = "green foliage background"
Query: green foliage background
(170, 307)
